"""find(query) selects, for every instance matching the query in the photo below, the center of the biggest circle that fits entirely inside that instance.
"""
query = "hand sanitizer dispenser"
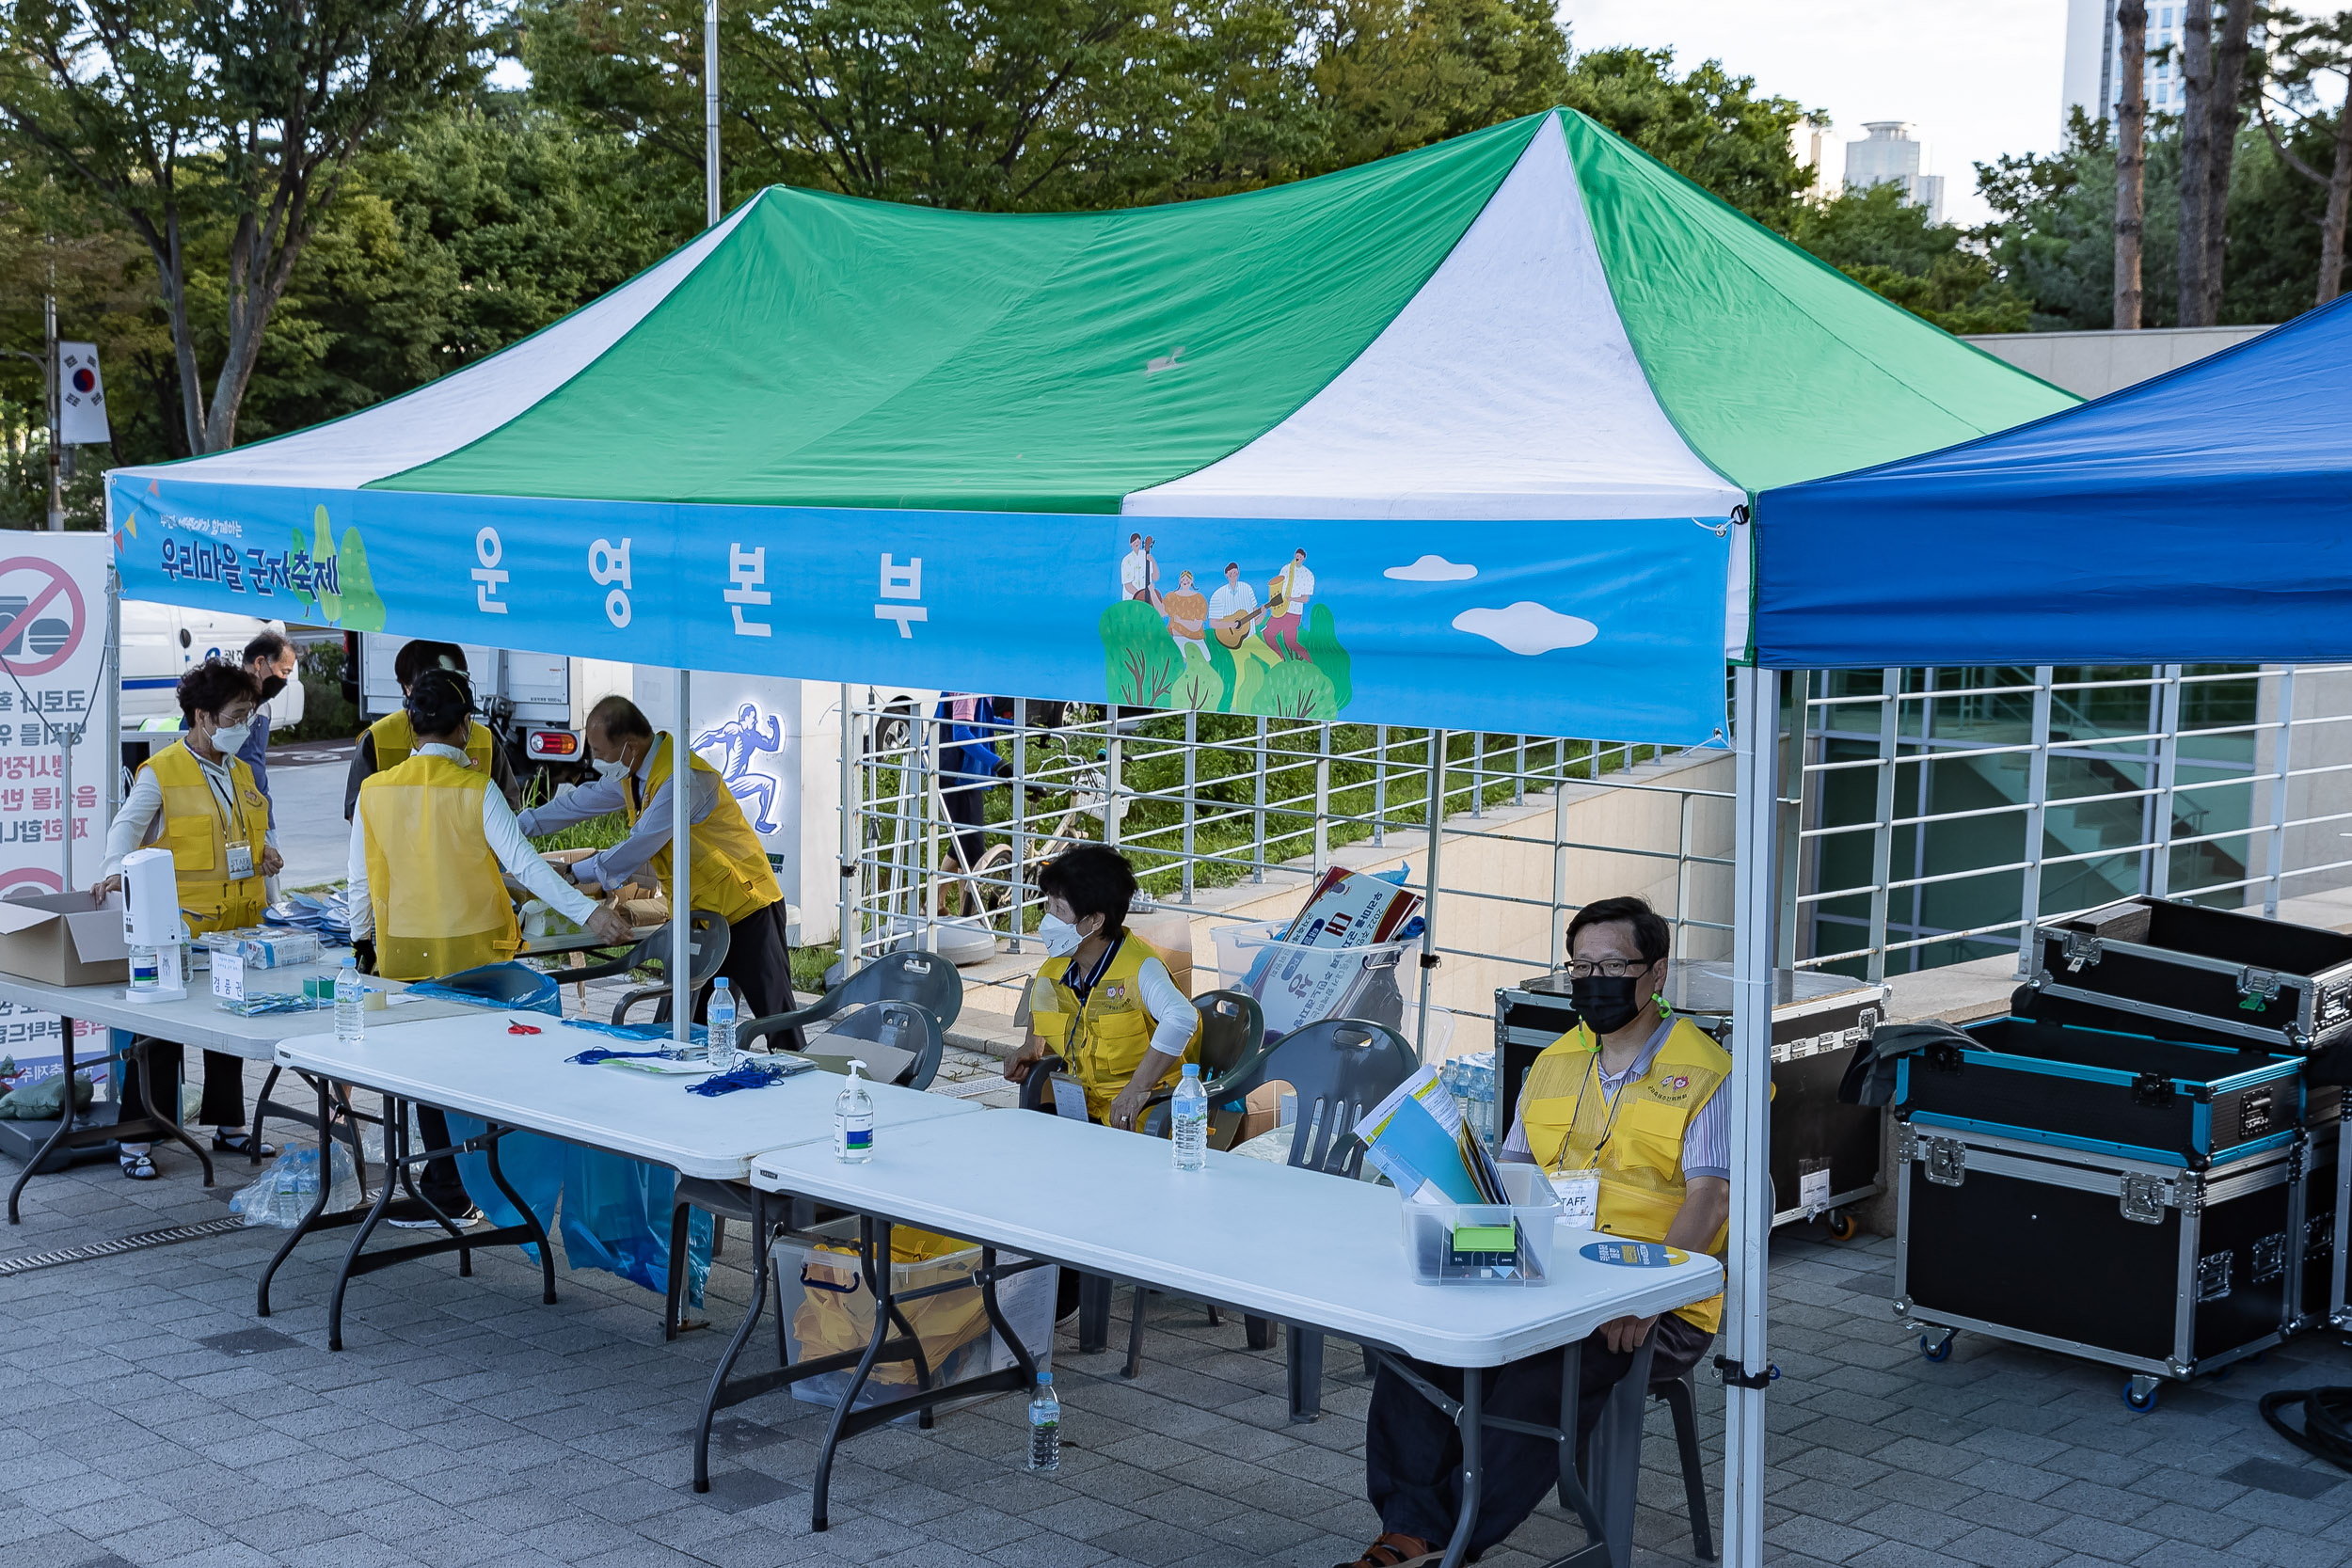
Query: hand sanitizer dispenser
(151, 927)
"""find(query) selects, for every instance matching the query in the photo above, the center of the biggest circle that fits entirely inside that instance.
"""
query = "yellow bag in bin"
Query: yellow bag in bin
(837, 1312)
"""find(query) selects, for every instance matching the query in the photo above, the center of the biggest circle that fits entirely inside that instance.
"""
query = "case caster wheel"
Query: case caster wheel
(1841, 1226)
(2140, 1393)
(1937, 1348)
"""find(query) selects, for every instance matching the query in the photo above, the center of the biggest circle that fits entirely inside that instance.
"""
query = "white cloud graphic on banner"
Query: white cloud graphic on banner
(1526, 627)
(1430, 569)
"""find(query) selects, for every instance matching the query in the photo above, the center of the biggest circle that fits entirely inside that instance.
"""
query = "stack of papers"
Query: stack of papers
(1418, 1139)
(324, 912)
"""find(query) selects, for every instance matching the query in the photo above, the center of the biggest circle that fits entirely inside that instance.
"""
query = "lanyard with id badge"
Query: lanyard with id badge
(239, 851)
(1579, 1191)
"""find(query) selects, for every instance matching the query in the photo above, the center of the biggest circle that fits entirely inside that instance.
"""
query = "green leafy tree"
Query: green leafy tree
(1396, 74)
(181, 113)
(2303, 54)
(1931, 269)
(1295, 689)
(1708, 125)
(1322, 642)
(1140, 661)
(1200, 686)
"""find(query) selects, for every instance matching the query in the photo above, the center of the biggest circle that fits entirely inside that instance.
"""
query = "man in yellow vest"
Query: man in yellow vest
(427, 845)
(1623, 1114)
(1105, 1003)
(388, 742)
(196, 798)
(728, 868)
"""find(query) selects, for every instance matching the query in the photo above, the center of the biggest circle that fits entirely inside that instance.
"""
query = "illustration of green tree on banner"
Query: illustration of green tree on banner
(1144, 665)
(342, 593)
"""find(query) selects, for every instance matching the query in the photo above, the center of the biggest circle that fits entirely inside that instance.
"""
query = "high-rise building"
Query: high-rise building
(1814, 145)
(2093, 76)
(1889, 155)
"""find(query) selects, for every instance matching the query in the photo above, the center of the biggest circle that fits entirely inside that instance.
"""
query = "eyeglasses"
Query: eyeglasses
(1615, 969)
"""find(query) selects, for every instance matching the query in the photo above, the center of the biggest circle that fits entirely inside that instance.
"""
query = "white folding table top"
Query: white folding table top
(196, 1019)
(1284, 1244)
(473, 1065)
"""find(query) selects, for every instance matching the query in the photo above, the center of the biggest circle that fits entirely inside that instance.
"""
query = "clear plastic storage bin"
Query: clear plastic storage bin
(1482, 1243)
(827, 1308)
(1296, 985)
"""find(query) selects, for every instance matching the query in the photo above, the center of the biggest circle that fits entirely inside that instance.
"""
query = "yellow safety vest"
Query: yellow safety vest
(396, 742)
(198, 830)
(433, 878)
(732, 878)
(1634, 1143)
(1113, 1027)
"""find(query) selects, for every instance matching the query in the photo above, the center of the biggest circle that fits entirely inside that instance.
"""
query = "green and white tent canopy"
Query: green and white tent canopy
(1487, 386)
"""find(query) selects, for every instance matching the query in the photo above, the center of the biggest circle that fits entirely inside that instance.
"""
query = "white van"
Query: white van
(159, 640)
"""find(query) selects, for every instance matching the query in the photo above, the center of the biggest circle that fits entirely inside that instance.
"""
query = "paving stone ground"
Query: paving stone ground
(147, 1417)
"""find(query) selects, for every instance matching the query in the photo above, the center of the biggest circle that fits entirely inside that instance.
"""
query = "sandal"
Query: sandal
(138, 1167)
(1394, 1550)
(240, 1143)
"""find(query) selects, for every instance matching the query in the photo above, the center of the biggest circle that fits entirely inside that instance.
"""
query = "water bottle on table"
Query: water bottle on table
(722, 1047)
(351, 1001)
(1044, 1426)
(853, 1120)
(1190, 1109)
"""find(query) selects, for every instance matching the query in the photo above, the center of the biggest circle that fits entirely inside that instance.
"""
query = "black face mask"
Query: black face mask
(1605, 1004)
(272, 686)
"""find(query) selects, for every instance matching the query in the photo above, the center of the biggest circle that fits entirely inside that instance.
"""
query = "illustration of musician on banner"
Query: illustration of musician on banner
(1227, 650)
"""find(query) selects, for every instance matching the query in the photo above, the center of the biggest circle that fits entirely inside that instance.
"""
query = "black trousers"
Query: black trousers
(439, 1182)
(1413, 1450)
(224, 1085)
(758, 967)
(967, 808)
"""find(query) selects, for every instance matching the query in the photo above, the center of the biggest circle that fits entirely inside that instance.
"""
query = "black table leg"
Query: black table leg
(761, 1238)
(318, 1205)
(1470, 1419)
(143, 1047)
(65, 1120)
(358, 1241)
(875, 1240)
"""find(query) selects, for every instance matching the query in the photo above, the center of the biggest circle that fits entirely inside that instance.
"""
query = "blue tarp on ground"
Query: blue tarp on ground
(2202, 517)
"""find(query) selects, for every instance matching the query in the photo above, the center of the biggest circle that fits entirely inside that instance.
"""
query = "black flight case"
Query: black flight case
(2137, 1201)
(1824, 1154)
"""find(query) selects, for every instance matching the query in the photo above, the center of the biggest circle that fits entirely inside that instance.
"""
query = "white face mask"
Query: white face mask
(1060, 937)
(610, 772)
(228, 740)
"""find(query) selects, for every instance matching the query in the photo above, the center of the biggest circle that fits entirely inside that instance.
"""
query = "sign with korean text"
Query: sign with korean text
(53, 653)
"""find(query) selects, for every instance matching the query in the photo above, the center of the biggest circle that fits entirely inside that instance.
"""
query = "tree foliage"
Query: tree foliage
(1708, 125)
(1931, 269)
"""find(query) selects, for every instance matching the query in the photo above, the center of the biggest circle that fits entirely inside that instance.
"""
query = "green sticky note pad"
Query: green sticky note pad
(1484, 1238)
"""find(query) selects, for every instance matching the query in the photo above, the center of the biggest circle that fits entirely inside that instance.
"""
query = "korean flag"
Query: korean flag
(81, 397)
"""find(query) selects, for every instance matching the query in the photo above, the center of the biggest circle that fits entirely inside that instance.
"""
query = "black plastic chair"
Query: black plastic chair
(1339, 1068)
(902, 1024)
(1675, 1393)
(924, 978)
(707, 938)
(1232, 1043)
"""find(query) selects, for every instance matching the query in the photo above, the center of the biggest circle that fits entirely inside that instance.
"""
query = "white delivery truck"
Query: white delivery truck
(159, 642)
(534, 703)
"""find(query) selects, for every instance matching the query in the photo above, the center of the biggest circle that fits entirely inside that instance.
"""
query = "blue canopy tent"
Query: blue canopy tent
(2202, 517)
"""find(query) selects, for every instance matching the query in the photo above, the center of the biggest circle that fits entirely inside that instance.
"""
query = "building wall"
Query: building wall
(2093, 364)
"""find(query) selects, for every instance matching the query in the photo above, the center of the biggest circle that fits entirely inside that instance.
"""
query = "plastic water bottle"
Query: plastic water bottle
(853, 1123)
(351, 1017)
(1044, 1426)
(721, 1052)
(1191, 1111)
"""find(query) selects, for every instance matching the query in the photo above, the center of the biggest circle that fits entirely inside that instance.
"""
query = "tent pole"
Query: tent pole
(681, 862)
(1756, 706)
(710, 111)
(1429, 898)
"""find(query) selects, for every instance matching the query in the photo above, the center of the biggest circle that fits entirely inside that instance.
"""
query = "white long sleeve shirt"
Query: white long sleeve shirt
(139, 822)
(507, 843)
(598, 797)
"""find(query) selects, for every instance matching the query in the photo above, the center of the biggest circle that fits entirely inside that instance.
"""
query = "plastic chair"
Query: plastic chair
(924, 978)
(1232, 1043)
(707, 938)
(1339, 1068)
(1675, 1393)
(908, 1025)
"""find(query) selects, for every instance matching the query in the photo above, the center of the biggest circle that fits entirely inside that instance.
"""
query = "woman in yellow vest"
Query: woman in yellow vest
(1104, 1002)
(1624, 1114)
(427, 844)
(196, 798)
(727, 867)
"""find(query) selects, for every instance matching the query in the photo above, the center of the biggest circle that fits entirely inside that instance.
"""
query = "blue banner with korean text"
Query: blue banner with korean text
(1608, 629)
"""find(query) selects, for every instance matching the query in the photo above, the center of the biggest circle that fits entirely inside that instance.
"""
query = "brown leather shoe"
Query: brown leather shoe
(1393, 1550)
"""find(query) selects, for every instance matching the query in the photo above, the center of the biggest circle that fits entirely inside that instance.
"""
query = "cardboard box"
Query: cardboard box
(62, 938)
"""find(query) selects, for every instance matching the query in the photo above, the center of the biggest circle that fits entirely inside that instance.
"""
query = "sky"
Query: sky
(1977, 79)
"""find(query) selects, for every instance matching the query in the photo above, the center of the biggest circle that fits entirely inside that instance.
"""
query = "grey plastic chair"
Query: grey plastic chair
(1339, 1068)
(706, 940)
(924, 978)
